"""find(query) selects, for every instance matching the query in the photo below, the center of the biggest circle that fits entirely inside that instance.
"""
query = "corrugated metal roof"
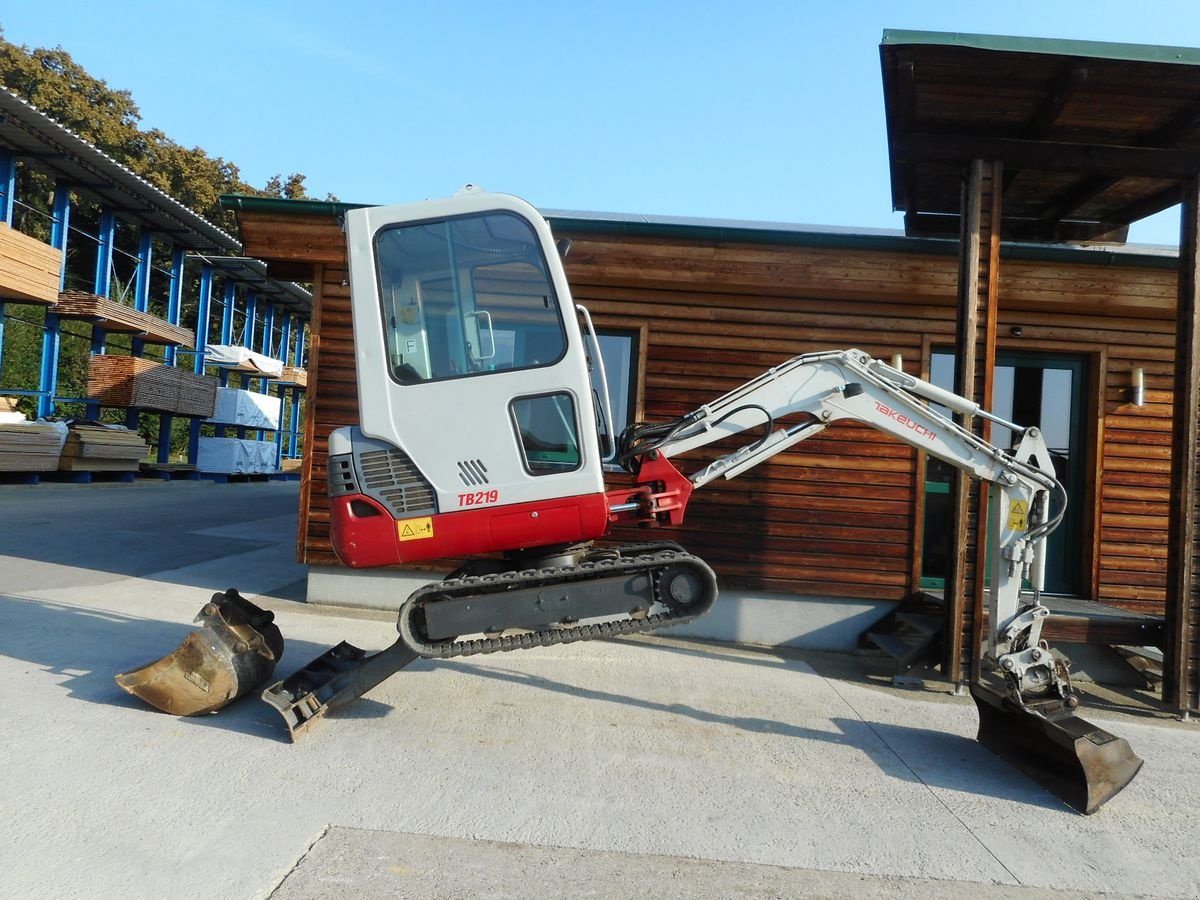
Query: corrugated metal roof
(92, 173)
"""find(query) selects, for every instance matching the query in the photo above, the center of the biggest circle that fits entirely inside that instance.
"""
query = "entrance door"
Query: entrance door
(1042, 389)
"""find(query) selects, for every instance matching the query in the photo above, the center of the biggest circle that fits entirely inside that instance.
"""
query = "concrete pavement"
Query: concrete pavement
(643, 767)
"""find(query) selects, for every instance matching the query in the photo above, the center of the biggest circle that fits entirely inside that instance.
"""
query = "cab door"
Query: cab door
(469, 357)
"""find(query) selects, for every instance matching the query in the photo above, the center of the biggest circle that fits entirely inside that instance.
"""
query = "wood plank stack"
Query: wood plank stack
(102, 448)
(29, 447)
(29, 269)
(125, 381)
(293, 375)
(113, 316)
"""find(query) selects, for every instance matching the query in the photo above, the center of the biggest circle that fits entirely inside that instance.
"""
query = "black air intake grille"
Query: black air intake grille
(472, 472)
(391, 477)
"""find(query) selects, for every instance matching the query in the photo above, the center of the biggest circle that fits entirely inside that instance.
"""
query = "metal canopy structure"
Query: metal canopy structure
(31, 134)
(253, 274)
(1092, 136)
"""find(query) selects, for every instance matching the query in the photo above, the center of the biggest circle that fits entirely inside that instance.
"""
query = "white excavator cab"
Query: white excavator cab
(474, 385)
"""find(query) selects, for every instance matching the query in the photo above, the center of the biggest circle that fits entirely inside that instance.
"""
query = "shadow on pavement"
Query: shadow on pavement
(85, 649)
(934, 758)
(139, 529)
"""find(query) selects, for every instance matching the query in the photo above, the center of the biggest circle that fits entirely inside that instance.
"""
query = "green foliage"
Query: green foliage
(51, 81)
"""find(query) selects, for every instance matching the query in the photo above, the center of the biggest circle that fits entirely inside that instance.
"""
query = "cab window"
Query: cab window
(467, 296)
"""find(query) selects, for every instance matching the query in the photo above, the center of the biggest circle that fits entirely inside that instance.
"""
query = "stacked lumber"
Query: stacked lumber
(113, 316)
(29, 447)
(102, 448)
(133, 381)
(293, 375)
(29, 268)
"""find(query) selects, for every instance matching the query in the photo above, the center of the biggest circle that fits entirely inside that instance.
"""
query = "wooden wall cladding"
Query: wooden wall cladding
(838, 513)
(837, 516)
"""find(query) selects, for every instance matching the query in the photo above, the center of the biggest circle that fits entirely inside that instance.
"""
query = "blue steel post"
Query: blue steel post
(174, 311)
(248, 328)
(8, 185)
(175, 296)
(141, 302)
(60, 227)
(251, 322)
(285, 344)
(268, 345)
(101, 285)
(206, 280)
(8, 189)
(294, 424)
(227, 311)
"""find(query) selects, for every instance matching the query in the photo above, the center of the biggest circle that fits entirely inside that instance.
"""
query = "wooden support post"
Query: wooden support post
(1180, 686)
(975, 355)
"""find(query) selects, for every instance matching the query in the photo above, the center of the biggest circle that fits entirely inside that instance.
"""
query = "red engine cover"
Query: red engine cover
(364, 534)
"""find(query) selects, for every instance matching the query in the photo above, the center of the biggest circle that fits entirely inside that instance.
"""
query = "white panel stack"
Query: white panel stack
(234, 456)
(230, 356)
(247, 409)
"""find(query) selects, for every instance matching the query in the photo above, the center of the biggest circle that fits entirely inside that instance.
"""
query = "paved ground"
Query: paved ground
(629, 768)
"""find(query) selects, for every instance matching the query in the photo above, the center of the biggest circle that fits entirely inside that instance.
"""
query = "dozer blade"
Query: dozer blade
(336, 677)
(1082, 764)
(234, 651)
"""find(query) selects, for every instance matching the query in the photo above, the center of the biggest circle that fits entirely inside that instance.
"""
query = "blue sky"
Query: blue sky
(770, 111)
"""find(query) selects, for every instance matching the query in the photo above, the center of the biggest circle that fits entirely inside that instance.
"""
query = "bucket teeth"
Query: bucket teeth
(235, 650)
(1081, 763)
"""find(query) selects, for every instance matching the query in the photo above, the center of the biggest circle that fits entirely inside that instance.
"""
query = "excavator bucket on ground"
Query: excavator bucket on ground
(1083, 765)
(234, 651)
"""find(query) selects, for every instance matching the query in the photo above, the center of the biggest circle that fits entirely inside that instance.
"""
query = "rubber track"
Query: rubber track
(482, 585)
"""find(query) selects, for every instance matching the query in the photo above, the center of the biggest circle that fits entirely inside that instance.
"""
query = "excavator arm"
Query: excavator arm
(1030, 721)
(813, 391)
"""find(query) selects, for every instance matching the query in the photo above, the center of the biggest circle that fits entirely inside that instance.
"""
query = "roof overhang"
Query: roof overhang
(1092, 136)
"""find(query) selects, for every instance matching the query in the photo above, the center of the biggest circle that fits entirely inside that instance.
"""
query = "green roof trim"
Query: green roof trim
(252, 203)
(1145, 53)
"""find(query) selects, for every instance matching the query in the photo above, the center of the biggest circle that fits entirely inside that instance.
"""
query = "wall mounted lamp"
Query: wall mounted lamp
(1139, 387)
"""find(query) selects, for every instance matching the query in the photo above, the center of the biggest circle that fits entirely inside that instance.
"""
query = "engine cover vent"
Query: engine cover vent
(472, 472)
(392, 478)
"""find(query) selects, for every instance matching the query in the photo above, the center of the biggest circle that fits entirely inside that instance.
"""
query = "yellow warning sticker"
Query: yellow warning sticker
(415, 529)
(1018, 515)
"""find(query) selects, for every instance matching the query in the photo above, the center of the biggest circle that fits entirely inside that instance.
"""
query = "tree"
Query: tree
(51, 81)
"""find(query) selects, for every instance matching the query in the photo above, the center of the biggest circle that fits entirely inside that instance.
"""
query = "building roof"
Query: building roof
(30, 133)
(1093, 136)
(271, 209)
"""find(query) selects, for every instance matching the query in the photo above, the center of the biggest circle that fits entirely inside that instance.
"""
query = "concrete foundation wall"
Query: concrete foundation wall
(743, 617)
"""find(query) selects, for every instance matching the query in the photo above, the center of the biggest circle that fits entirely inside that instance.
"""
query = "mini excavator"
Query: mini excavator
(485, 426)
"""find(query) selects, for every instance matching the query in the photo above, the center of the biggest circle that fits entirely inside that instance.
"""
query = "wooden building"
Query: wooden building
(1083, 340)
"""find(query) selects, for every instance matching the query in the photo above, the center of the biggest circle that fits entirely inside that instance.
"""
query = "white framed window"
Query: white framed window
(623, 351)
